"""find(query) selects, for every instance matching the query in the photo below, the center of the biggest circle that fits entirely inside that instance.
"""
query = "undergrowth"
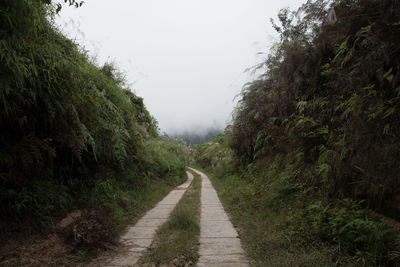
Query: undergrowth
(282, 224)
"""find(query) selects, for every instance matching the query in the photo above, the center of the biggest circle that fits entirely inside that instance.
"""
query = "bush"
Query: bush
(348, 226)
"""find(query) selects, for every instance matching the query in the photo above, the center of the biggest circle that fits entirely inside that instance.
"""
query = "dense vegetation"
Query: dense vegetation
(315, 140)
(73, 134)
(330, 98)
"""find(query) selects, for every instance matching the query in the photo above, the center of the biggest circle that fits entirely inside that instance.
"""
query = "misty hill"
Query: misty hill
(196, 137)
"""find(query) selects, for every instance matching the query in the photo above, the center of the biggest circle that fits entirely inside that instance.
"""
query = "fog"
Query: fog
(186, 58)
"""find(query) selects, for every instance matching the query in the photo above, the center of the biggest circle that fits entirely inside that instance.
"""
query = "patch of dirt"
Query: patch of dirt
(72, 242)
(48, 251)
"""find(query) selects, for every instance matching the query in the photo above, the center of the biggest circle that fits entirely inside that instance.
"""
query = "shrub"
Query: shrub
(348, 226)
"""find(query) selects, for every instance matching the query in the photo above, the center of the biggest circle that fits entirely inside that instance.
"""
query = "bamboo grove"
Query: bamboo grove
(310, 162)
(69, 128)
(329, 101)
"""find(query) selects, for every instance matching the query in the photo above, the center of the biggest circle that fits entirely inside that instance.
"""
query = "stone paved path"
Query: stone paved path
(139, 237)
(219, 242)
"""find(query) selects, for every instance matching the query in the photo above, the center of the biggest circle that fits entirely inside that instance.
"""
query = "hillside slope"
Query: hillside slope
(329, 100)
(314, 142)
(73, 136)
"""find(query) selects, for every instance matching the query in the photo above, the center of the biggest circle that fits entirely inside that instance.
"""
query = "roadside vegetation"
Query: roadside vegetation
(311, 156)
(74, 137)
(177, 241)
(282, 224)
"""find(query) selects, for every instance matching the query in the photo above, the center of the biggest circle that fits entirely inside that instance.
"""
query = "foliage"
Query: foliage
(314, 142)
(320, 125)
(73, 134)
(213, 153)
(277, 213)
(349, 227)
(329, 97)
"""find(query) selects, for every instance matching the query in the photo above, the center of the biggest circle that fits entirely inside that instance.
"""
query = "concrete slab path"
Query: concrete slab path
(139, 237)
(219, 241)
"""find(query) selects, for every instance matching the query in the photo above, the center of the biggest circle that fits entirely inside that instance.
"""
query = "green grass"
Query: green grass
(280, 225)
(267, 228)
(284, 222)
(177, 240)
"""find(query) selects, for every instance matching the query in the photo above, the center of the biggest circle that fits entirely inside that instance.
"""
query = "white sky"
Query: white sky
(186, 58)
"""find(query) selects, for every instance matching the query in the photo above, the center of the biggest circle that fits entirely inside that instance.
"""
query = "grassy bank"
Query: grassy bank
(75, 135)
(268, 232)
(282, 224)
(314, 141)
(177, 240)
(75, 138)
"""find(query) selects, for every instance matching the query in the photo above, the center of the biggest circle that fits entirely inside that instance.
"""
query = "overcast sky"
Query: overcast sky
(186, 58)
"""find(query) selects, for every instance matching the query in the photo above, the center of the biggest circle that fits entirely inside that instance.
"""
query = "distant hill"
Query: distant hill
(193, 137)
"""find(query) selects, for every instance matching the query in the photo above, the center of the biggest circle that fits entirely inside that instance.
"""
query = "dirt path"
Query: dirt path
(219, 242)
(139, 237)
